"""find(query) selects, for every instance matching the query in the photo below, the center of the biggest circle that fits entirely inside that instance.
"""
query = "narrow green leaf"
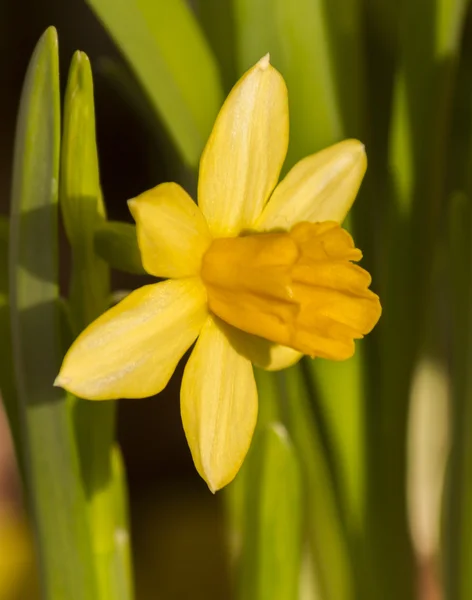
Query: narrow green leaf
(302, 37)
(271, 558)
(236, 494)
(165, 47)
(83, 212)
(221, 37)
(430, 35)
(117, 244)
(49, 451)
(458, 497)
(80, 196)
(326, 527)
(340, 394)
(122, 567)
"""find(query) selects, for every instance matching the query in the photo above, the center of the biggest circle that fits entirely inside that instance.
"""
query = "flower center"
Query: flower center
(299, 288)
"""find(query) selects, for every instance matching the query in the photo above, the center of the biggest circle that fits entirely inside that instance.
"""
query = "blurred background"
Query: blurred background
(180, 543)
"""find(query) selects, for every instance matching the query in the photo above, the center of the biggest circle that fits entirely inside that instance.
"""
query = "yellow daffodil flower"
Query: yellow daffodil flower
(259, 275)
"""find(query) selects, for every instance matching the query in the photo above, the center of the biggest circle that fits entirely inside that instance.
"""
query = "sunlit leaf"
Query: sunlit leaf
(49, 451)
(272, 547)
(83, 213)
(163, 44)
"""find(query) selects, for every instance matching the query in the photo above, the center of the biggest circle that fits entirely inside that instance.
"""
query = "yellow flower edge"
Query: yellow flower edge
(257, 273)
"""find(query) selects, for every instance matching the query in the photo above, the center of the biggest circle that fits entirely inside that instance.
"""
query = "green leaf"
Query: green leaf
(83, 212)
(49, 451)
(340, 388)
(80, 196)
(430, 35)
(458, 494)
(236, 494)
(301, 36)
(220, 37)
(117, 244)
(272, 547)
(122, 567)
(165, 47)
(326, 523)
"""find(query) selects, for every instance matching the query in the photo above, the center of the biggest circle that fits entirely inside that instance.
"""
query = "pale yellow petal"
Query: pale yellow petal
(321, 187)
(261, 352)
(218, 405)
(241, 163)
(132, 350)
(172, 232)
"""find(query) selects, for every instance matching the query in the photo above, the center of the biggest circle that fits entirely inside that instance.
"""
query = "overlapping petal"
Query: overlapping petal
(172, 232)
(132, 350)
(218, 405)
(241, 162)
(321, 187)
(261, 352)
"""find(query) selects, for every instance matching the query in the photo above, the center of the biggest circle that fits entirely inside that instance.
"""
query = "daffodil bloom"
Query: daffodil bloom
(259, 275)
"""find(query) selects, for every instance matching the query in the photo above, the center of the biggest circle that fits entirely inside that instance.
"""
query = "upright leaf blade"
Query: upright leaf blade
(166, 49)
(81, 203)
(49, 451)
(302, 36)
(458, 497)
(271, 559)
(326, 521)
(83, 212)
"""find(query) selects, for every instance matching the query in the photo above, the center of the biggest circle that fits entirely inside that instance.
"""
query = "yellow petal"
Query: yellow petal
(241, 163)
(321, 187)
(218, 405)
(261, 352)
(132, 350)
(172, 232)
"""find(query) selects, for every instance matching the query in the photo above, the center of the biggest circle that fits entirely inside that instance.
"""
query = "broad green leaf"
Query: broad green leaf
(117, 244)
(49, 451)
(272, 546)
(165, 47)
